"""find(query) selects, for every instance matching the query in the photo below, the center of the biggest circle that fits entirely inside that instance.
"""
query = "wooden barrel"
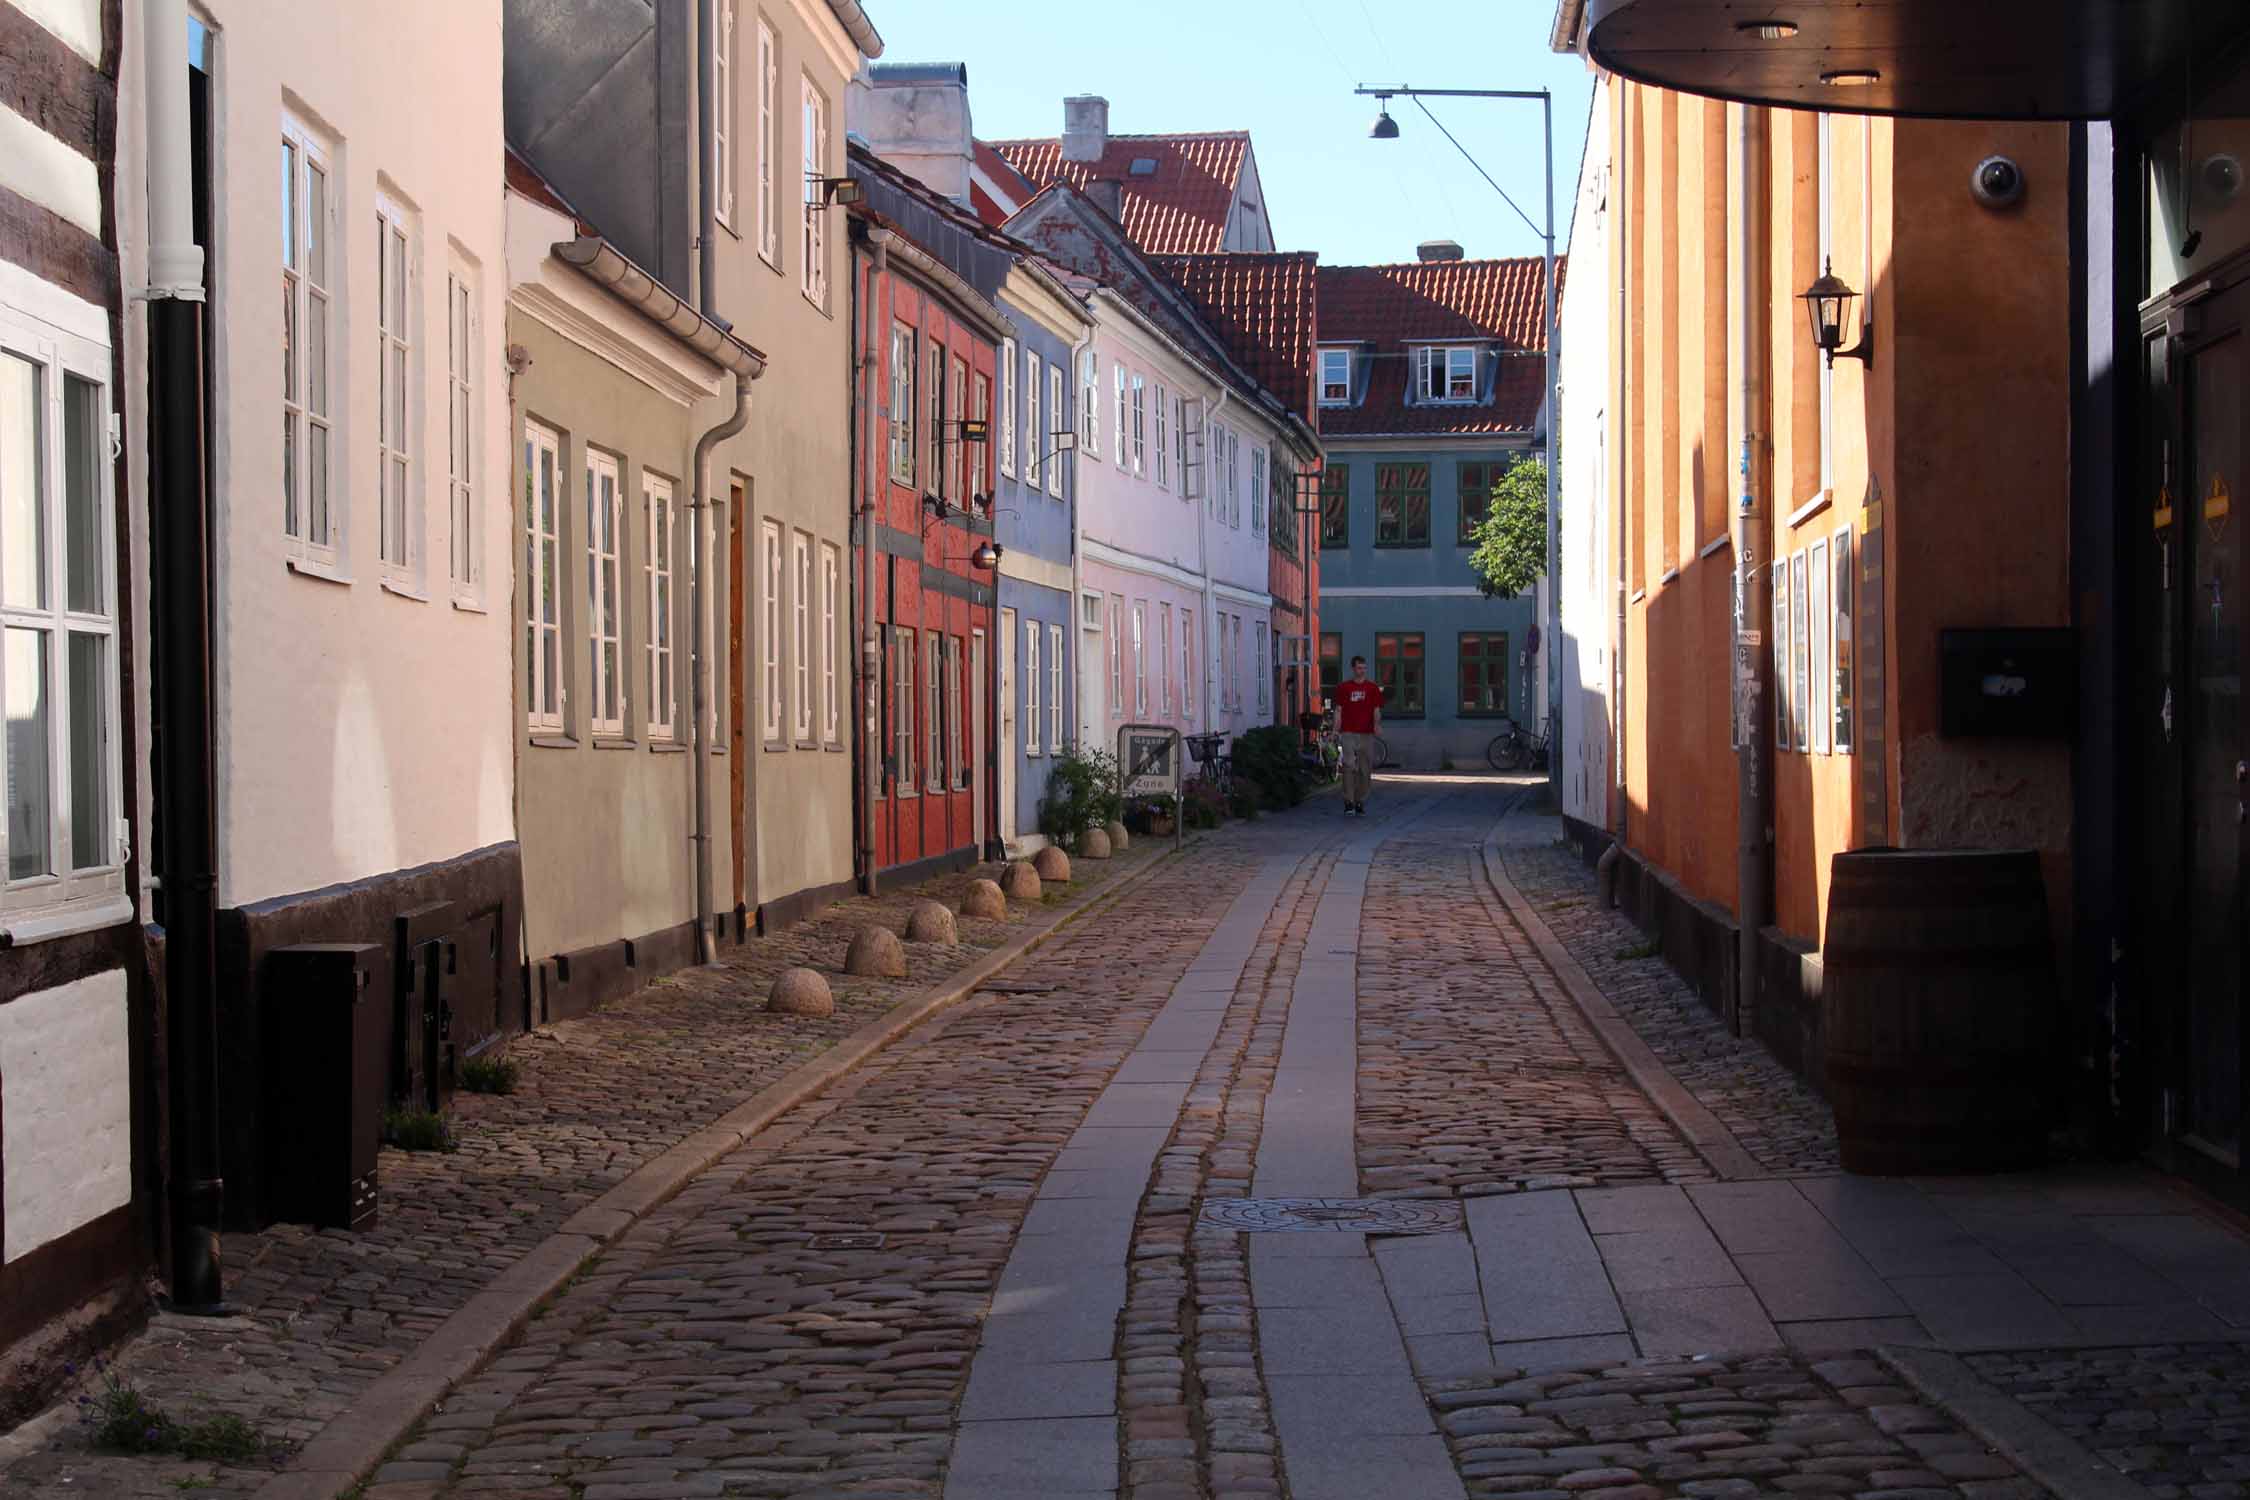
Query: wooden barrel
(1937, 1001)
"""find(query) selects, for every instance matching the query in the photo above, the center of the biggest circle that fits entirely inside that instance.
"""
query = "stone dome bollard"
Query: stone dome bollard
(1052, 864)
(800, 992)
(1119, 839)
(876, 953)
(1021, 882)
(931, 922)
(1093, 844)
(984, 900)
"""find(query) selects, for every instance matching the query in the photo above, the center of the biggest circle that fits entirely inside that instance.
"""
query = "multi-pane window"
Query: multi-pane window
(1090, 403)
(1477, 481)
(1257, 492)
(933, 436)
(769, 626)
(1484, 672)
(1164, 657)
(1057, 420)
(933, 706)
(1398, 671)
(605, 527)
(1163, 439)
(813, 275)
(1259, 665)
(1140, 658)
(902, 709)
(1239, 698)
(1226, 677)
(980, 464)
(1331, 664)
(1188, 627)
(769, 141)
(1179, 441)
(722, 118)
(831, 584)
(393, 362)
(542, 570)
(1031, 687)
(307, 222)
(800, 635)
(1402, 505)
(1335, 377)
(1233, 472)
(1119, 367)
(957, 758)
(902, 404)
(1445, 374)
(960, 481)
(58, 630)
(461, 428)
(656, 584)
(1336, 506)
(1140, 424)
(1034, 448)
(1008, 407)
(1055, 687)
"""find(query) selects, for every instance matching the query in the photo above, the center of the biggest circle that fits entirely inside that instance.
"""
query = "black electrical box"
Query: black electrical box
(2008, 684)
(326, 1046)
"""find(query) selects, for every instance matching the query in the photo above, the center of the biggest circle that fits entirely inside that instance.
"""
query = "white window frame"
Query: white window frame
(1257, 492)
(1259, 635)
(1163, 438)
(1140, 424)
(831, 585)
(800, 634)
(1090, 403)
(933, 436)
(723, 119)
(1436, 375)
(464, 342)
(1820, 713)
(543, 553)
(1164, 657)
(660, 547)
(905, 667)
(397, 387)
(933, 706)
(1180, 437)
(1116, 654)
(1234, 479)
(1055, 412)
(770, 688)
(1036, 450)
(1119, 440)
(1190, 622)
(68, 897)
(1031, 687)
(1140, 656)
(1335, 377)
(312, 267)
(959, 483)
(769, 142)
(605, 649)
(1008, 407)
(1055, 687)
(955, 747)
(813, 275)
(906, 357)
(1239, 698)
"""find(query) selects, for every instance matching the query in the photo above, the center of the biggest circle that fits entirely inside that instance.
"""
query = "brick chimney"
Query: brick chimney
(1085, 127)
(1432, 250)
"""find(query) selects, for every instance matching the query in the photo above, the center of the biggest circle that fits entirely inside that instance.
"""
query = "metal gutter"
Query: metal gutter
(600, 261)
(863, 32)
(980, 310)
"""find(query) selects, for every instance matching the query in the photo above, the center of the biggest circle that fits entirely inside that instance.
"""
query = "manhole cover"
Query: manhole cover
(1351, 1215)
(845, 1242)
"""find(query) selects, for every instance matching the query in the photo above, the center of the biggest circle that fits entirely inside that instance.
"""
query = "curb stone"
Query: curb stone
(2053, 1459)
(350, 1448)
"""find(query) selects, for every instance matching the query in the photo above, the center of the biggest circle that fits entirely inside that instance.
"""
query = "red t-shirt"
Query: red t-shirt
(1356, 703)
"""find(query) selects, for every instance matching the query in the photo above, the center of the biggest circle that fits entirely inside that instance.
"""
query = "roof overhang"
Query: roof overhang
(1959, 59)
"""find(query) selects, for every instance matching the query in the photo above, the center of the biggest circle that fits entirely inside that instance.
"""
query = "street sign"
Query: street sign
(1151, 763)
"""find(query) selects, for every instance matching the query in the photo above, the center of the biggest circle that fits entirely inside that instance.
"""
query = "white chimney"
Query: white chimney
(1085, 127)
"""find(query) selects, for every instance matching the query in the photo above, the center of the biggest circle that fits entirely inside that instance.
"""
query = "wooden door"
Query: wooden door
(1009, 698)
(979, 737)
(738, 741)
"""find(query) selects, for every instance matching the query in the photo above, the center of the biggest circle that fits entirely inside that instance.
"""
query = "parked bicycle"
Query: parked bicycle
(1211, 765)
(1516, 748)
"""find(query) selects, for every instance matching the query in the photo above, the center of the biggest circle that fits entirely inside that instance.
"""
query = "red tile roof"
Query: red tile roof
(1385, 308)
(1011, 182)
(523, 178)
(1179, 209)
(1263, 306)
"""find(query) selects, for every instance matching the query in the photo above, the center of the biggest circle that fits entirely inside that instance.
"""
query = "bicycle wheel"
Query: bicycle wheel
(1505, 752)
(1381, 754)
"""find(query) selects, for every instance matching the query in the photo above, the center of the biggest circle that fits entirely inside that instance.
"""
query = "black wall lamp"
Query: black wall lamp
(1828, 302)
(836, 192)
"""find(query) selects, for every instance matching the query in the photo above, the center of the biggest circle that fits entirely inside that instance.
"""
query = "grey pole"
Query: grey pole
(1551, 644)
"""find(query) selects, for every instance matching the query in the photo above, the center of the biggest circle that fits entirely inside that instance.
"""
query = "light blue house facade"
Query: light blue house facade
(1034, 522)
(1429, 389)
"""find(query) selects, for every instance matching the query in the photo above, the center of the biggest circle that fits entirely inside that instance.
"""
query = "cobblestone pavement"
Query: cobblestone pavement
(2174, 1417)
(1777, 1119)
(323, 1313)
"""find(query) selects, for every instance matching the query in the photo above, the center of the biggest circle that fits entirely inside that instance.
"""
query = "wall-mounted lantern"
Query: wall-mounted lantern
(986, 555)
(1828, 302)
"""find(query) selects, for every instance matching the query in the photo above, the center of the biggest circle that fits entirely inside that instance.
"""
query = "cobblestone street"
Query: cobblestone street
(1297, 1171)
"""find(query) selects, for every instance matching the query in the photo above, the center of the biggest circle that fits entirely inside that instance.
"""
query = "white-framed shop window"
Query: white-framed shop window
(63, 844)
(1055, 688)
(310, 504)
(1031, 687)
(464, 445)
(662, 689)
(544, 693)
(1189, 624)
(831, 586)
(769, 623)
(1140, 657)
(723, 134)
(902, 710)
(397, 389)
(933, 706)
(1164, 658)
(1056, 419)
(1116, 655)
(958, 757)
(1008, 407)
(605, 646)
(1259, 664)
(800, 635)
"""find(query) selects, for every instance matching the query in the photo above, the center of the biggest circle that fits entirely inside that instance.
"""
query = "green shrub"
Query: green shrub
(1083, 791)
(1200, 806)
(490, 1075)
(1243, 798)
(1269, 757)
(418, 1130)
(117, 1418)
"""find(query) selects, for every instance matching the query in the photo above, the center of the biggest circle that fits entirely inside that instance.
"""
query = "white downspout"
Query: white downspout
(1074, 628)
(1203, 554)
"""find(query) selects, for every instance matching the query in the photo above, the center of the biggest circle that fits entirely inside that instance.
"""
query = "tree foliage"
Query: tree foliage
(1511, 541)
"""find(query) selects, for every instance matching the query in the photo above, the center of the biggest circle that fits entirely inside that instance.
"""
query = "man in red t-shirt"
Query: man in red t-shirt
(1359, 717)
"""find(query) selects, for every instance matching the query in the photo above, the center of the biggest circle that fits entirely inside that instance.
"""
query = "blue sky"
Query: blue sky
(1284, 70)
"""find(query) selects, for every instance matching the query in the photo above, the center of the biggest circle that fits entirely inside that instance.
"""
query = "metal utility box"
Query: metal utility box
(326, 1042)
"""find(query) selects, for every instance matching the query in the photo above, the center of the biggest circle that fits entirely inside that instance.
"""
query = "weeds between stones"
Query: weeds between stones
(490, 1075)
(418, 1130)
(1646, 948)
(117, 1418)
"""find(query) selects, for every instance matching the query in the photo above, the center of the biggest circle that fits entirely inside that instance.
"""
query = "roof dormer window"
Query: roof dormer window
(1335, 377)
(1445, 373)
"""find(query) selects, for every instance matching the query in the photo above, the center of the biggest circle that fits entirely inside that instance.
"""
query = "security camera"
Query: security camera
(2222, 177)
(1997, 182)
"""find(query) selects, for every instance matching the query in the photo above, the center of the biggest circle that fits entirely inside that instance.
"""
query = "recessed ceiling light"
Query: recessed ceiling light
(1768, 31)
(1851, 78)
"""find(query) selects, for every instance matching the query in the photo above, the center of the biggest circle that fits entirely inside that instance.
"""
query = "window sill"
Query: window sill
(1809, 509)
(666, 747)
(804, 744)
(773, 746)
(1637, 596)
(773, 262)
(616, 742)
(470, 606)
(309, 567)
(402, 589)
(817, 304)
(1667, 576)
(907, 793)
(553, 742)
(1717, 544)
(1402, 546)
(1483, 713)
(729, 228)
(89, 916)
(833, 748)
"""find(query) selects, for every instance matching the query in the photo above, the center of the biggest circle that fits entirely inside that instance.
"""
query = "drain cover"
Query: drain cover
(1351, 1215)
(845, 1242)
